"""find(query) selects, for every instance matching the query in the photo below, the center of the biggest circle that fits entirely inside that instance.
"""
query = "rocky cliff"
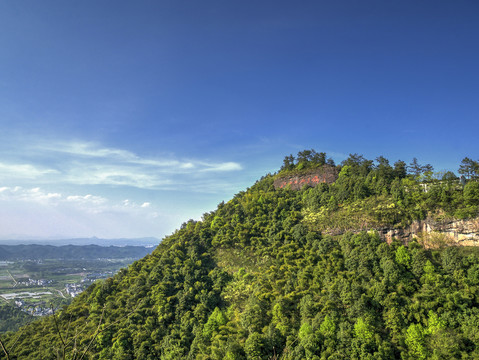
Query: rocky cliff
(326, 174)
(451, 232)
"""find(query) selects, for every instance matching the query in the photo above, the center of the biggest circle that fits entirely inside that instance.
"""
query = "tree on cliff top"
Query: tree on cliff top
(306, 159)
(469, 168)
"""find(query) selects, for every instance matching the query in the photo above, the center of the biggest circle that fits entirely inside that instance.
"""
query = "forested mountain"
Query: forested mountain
(264, 277)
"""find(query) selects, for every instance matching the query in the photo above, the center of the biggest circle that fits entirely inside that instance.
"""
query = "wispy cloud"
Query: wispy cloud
(222, 167)
(86, 163)
(114, 174)
(88, 150)
(24, 170)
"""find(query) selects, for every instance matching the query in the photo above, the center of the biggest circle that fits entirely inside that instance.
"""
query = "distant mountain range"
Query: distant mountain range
(146, 241)
(70, 252)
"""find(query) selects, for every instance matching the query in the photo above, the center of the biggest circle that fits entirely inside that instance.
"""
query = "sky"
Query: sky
(124, 119)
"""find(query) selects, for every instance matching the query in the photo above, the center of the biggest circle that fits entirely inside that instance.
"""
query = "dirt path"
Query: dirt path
(15, 281)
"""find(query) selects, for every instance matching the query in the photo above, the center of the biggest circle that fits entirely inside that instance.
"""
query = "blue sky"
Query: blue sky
(127, 118)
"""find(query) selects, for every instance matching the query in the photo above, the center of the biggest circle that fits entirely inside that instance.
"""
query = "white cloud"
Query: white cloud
(187, 165)
(221, 167)
(37, 195)
(18, 193)
(86, 199)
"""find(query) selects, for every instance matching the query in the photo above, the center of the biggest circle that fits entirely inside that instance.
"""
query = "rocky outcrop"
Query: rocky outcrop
(458, 232)
(325, 174)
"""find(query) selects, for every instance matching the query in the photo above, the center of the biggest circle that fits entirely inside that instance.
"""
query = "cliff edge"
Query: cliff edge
(325, 174)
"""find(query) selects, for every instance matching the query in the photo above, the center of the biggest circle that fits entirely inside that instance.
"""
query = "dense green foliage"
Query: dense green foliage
(12, 318)
(259, 278)
(306, 159)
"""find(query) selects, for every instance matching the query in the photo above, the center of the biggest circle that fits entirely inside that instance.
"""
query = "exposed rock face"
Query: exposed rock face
(326, 174)
(460, 232)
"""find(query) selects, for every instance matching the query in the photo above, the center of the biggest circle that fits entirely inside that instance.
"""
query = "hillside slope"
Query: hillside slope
(259, 278)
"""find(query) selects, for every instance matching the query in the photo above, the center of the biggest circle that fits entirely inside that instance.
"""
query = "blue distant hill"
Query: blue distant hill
(71, 252)
(146, 241)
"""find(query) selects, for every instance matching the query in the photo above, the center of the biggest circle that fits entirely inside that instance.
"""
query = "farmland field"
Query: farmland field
(38, 287)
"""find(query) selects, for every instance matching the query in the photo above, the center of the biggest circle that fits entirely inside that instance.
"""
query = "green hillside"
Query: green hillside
(261, 277)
